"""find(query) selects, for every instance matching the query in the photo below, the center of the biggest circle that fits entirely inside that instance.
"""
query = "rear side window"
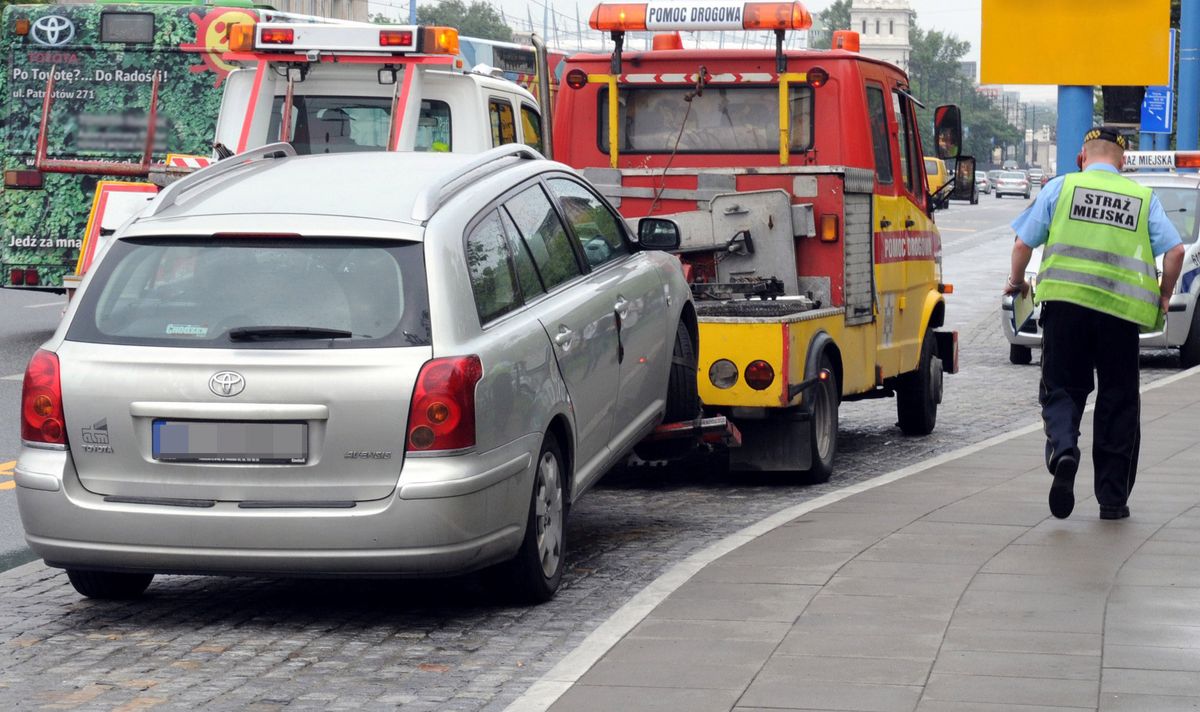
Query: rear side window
(532, 123)
(504, 127)
(722, 120)
(931, 167)
(544, 235)
(222, 293)
(595, 228)
(492, 280)
(433, 127)
(877, 111)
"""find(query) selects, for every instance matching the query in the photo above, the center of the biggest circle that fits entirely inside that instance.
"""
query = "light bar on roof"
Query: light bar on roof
(336, 38)
(700, 15)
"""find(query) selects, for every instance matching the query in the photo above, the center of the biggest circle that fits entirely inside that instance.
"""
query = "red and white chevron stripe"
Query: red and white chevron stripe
(176, 160)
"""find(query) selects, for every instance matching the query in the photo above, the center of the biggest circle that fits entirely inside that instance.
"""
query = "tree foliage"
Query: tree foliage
(479, 19)
(834, 17)
(936, 79)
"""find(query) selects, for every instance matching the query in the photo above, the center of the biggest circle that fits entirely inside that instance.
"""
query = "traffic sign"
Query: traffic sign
(1157, 109)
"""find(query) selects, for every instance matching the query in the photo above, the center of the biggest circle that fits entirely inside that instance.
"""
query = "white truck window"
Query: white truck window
(504, 127)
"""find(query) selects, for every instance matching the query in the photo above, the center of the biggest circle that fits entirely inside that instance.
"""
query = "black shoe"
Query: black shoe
(1062, 492)
(1114, 512)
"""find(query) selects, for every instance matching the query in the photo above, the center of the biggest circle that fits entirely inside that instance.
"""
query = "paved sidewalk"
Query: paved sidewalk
(951, 589)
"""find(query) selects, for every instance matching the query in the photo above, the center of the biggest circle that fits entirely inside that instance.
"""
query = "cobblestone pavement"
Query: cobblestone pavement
(256, 644)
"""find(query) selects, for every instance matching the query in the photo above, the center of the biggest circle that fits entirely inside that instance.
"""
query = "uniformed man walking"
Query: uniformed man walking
(1098, 288)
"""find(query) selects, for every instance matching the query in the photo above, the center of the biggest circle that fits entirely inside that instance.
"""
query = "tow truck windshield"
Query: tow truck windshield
(719, 120)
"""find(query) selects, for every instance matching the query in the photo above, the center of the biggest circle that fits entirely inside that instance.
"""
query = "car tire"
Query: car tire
(1020, 355)
(1189, 350)
(823, 426)
(536, 571)
(997, 196)
(683, 399)
(919, 393)
(1027, 195)
(975, 199)
(109, 585)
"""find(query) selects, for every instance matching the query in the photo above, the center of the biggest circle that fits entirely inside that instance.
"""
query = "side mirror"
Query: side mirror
(947, 131)
(658, 234)
(964, 179)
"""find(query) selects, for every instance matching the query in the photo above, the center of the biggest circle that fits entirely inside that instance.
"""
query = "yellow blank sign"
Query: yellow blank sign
(1079, 42)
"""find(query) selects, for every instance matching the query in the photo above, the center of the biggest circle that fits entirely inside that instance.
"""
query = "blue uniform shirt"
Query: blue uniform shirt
(1033, 225)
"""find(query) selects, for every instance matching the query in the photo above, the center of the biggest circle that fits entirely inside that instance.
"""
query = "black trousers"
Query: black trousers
(1081, 348)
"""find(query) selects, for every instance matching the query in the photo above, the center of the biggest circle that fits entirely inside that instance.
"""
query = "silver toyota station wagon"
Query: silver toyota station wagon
(368, 364)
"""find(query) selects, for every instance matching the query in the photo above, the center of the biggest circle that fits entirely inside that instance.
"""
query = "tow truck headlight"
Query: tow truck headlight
(723, 373)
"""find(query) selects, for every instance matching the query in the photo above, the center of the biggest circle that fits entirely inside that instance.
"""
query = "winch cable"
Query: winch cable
(702, 77)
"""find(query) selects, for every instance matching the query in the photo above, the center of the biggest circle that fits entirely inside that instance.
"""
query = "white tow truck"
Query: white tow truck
(330, 88)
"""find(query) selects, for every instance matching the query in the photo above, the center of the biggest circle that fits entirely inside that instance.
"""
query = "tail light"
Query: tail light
(829, 227)
(759, 375)
(442, 414)
(16, 277)
(31, 278)
(41, 401)
(723, 373)
(817, 77)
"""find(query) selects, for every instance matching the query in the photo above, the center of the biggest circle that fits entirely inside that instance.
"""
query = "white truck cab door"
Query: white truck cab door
(246, 109)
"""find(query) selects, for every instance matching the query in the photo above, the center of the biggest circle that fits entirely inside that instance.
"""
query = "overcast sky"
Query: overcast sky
(958, 17)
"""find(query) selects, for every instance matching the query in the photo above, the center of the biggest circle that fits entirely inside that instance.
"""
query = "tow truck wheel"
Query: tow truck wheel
(683, 399)
(111, 585)
(1189, 351)
(919, 392)
(823, 426)
(1020, 355)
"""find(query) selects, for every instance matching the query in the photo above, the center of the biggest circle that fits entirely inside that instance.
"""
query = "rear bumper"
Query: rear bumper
(1179, 322)
(453, 525)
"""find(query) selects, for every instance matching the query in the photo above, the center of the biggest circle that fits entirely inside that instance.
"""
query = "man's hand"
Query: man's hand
(1164, 303)
(1011, 287)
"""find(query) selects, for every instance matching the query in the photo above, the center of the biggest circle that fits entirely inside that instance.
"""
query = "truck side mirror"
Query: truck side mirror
(947, 131)
(964, 179)
(658, 234)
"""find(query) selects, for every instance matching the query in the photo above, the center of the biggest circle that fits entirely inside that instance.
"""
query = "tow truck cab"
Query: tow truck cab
(796, 177)
(345, 87)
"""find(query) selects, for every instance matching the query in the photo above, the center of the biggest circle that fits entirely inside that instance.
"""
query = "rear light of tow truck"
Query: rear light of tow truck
(23, 277)
(442, 414)
(41, 401)
(759, 375)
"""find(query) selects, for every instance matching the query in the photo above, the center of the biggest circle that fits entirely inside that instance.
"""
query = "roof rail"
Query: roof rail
(439, 191)
(170, 195)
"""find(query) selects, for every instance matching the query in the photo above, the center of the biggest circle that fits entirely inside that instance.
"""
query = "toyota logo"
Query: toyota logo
(53, 30)
(227, 384)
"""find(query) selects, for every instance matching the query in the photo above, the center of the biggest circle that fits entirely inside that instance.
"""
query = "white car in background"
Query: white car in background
(1180, 198)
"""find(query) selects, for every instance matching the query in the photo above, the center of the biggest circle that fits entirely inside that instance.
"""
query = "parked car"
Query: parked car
(1011, 183)
(982, 182)
(938, 175)
(1180, 197)
(384, 364)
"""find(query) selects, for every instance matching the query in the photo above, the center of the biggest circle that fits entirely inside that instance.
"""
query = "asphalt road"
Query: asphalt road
(29, 318)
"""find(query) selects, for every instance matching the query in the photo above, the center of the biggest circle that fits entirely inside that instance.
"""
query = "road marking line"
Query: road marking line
(47, 304)
(956, 229)
(14, 377)
(6, 471)
(555, 683)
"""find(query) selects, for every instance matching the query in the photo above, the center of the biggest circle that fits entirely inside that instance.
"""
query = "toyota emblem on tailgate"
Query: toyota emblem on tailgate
(52, 30)
(227, 383)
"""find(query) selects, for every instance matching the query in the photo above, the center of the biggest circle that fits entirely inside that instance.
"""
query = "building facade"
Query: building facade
(883, 27)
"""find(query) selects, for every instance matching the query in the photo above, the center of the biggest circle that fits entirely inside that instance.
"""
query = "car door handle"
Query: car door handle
(564, 338)
(621, 307)
(884, 222)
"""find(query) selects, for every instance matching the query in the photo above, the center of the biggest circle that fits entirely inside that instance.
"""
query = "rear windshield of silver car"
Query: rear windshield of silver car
(261, 293)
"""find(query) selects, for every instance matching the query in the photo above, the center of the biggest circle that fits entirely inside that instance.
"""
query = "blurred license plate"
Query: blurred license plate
(235, 442)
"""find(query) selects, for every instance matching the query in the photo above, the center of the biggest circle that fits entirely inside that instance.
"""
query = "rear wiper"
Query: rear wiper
(258, 333)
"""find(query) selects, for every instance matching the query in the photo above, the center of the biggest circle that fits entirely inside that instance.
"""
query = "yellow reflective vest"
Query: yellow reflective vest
(1098, 254)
